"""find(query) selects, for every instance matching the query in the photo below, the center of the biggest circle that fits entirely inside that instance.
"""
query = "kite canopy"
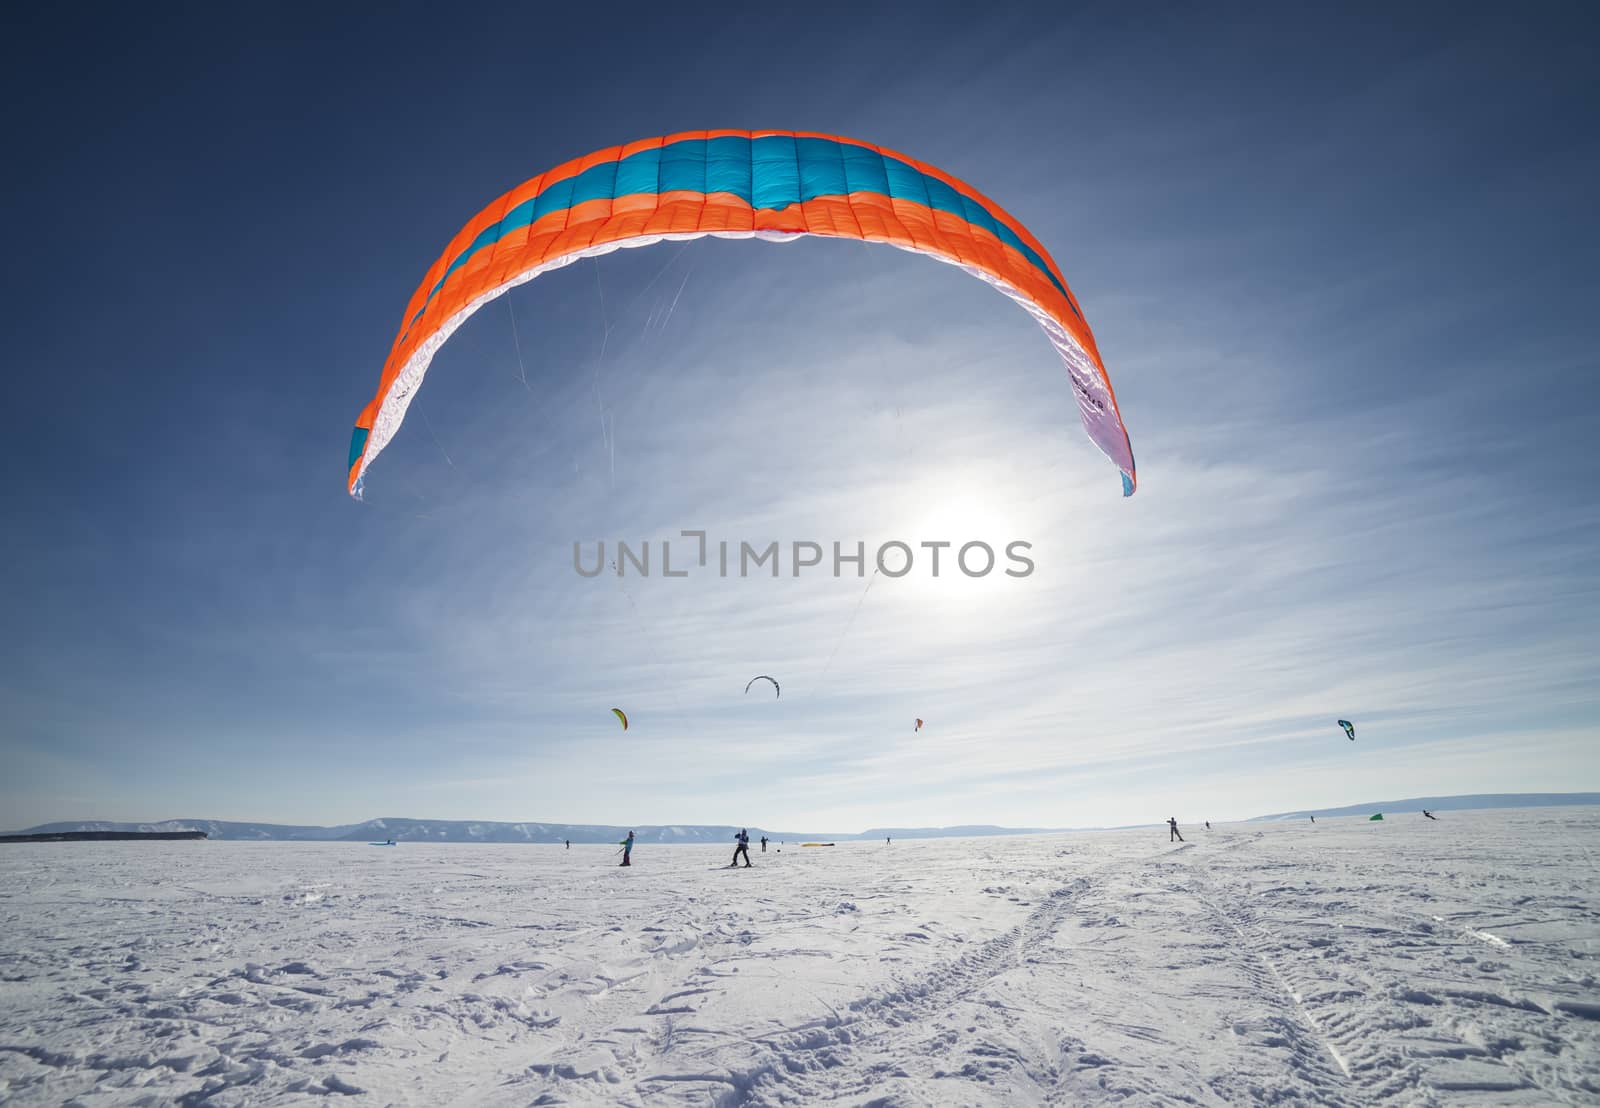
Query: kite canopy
(763, 677)
(918, 727)
(775, 185)
(1349, 729)
(618, 712)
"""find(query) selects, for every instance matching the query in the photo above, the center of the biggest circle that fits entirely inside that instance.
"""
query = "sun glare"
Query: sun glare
(980, 531)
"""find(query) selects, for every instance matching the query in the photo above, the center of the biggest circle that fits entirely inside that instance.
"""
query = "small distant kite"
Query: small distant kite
(917, 728)
(763, 677)
(1379, 816)
(620, 714)
(1349, 729)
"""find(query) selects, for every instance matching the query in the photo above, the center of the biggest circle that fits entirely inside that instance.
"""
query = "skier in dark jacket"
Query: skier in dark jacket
(1429, 814)
(763, 844)
(743, 838)
(1172, 827)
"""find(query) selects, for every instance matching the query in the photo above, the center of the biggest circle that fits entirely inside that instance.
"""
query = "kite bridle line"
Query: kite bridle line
(641, 625)
(900, 448)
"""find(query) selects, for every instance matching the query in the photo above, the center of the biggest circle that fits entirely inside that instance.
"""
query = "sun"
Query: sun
(981, 532)
(961, 521)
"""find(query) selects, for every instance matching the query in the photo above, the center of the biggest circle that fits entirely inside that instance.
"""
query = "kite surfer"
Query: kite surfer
(763, 844)
(1429, 814)
(1172, 827)
(743, 838)
(627, 850)
(1208, 825)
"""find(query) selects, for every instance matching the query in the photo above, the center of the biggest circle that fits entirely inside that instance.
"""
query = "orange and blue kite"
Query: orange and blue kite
(774, 185)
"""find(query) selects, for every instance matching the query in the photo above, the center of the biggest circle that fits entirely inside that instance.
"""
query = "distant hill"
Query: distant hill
(103, 836)
(961, 832)
(484, 831)
(1448, 804)
(488, 831)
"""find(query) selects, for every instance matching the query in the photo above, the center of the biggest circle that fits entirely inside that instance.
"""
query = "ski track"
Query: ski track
(1341, 964)
(1386, 994)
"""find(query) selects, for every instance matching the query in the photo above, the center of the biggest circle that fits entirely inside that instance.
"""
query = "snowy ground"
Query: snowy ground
(1402, 962)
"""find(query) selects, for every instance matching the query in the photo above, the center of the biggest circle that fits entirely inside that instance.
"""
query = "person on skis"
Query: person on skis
(1429, 814)
(1172, 826)
(743, 847)
(627, 850)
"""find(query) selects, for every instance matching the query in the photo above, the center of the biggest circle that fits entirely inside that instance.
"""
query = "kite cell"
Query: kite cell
(774, 185)
(1349, 729)
(763, 677)
(618, 712)
(918, 727)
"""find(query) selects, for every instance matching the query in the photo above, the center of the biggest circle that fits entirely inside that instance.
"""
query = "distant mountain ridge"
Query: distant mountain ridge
(490, 831)
(1447, 804)
(529, 831)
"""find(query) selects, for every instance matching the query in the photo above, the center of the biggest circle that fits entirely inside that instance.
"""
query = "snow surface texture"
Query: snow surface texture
(1402, 962)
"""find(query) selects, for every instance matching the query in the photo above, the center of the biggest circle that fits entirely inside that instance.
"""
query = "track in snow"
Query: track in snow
(1440, 964)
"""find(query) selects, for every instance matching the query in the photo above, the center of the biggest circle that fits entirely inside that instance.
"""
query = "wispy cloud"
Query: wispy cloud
(1345, 340)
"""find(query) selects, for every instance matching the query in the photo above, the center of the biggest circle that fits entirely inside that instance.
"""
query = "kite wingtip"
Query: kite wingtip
(1128, 484)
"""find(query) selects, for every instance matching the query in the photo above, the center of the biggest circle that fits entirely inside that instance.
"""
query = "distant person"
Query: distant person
(763, 844)
(627, 850)
(887, 839)
(1208, 825)
(1313, 819)
(569, 844)
(1429, 814)
(1172, 827)
(743, 847)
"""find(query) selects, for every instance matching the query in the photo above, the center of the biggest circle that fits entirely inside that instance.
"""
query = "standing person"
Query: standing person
(1208, 825)
(627, 850)
(743, 838)
(569, 844)
(1313, 819)
(1172, 826)
(763, 844)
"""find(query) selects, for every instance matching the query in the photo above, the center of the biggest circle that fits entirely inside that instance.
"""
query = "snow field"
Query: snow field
(1403, 962)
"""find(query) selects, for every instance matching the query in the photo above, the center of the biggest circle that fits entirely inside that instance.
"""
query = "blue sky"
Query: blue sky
(1341, 266)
